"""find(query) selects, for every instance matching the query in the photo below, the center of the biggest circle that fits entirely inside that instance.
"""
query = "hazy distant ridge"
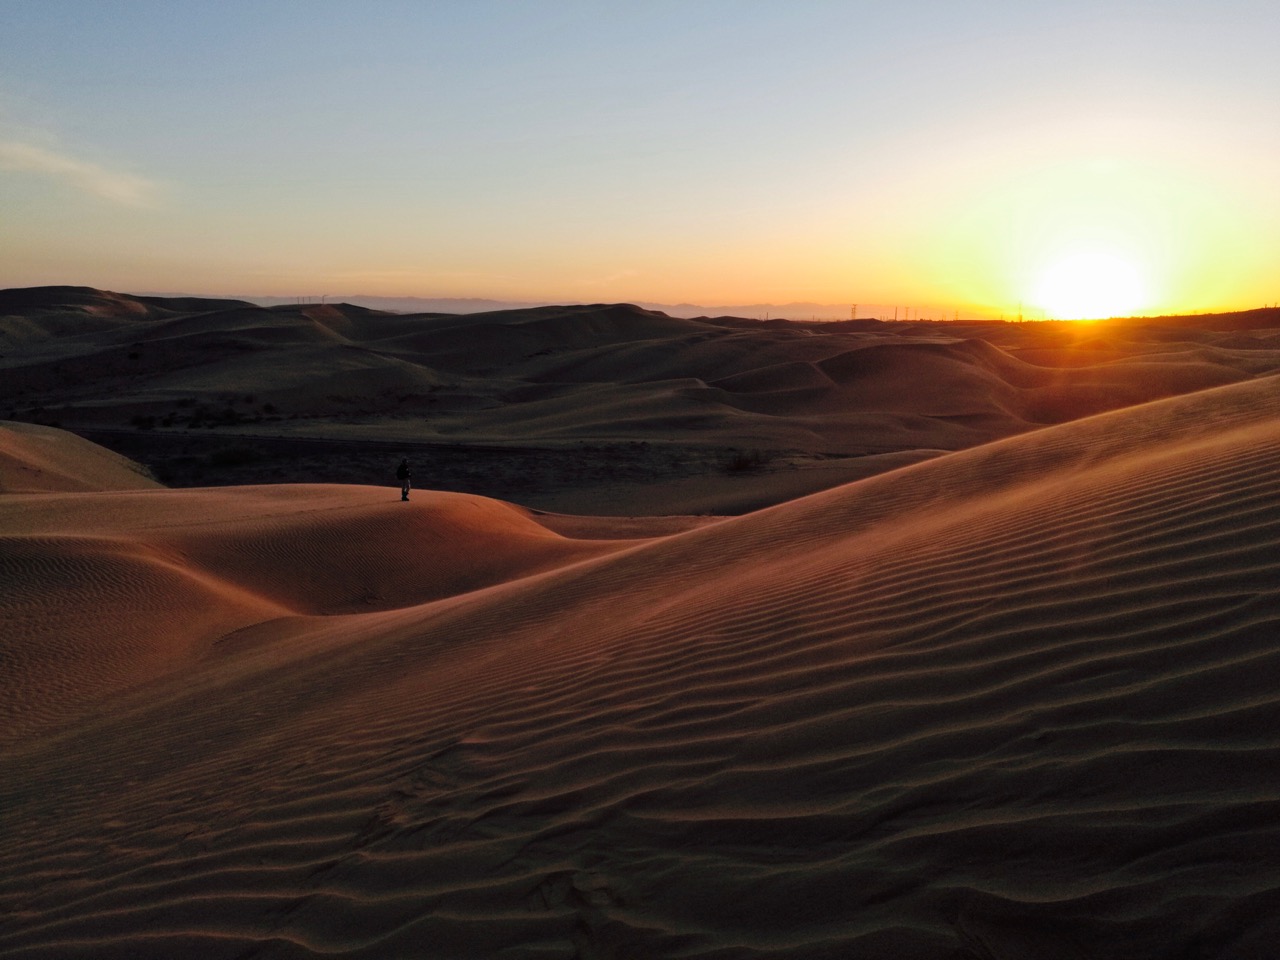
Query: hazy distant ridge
(794, 311)
(1257, 318)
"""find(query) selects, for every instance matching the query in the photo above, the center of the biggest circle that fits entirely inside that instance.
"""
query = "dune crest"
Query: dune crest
(1015, 701)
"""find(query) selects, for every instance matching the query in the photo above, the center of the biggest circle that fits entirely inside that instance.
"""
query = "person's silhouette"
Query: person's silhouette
(404, 475)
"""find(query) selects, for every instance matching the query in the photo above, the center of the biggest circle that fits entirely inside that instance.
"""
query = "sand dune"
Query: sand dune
(36, 459)
(604, 373)
(1016, 701)
(175, 572)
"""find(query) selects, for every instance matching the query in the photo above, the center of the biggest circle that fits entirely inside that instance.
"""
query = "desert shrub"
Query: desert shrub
(742, 461)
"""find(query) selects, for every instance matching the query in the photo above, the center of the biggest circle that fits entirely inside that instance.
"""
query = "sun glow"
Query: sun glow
(1090, 285)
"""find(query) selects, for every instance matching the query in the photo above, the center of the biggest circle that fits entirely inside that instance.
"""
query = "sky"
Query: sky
(974, 156)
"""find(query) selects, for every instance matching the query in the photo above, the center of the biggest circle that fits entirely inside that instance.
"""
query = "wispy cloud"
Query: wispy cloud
(609, 279)
(125, 188)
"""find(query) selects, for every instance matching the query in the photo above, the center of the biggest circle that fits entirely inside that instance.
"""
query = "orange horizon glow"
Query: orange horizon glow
(1047, 160)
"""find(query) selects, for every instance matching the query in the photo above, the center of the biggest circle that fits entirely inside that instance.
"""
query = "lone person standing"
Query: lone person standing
(404, 475)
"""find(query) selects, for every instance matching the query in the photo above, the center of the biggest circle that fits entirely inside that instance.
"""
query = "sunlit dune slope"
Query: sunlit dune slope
(106, 591)
(35, 459)
(1013, 702)
(87, 616)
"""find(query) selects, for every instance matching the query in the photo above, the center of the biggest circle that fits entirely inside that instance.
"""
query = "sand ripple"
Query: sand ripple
(1014, 702)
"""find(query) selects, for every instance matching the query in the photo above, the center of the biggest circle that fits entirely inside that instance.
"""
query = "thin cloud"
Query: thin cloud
(122, 188)
(610, 279)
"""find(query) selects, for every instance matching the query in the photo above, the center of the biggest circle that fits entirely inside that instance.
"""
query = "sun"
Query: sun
(1090, 285)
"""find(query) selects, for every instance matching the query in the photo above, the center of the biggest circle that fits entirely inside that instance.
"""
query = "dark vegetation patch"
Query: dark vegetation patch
(516, 473)
(747, 461)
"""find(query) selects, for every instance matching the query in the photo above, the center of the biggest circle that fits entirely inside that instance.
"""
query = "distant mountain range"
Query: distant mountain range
(762, 311)
(1267, 317)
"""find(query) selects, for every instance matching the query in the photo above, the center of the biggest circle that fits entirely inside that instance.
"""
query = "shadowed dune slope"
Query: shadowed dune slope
(32, 314)
(95, 360)
(1016, 702)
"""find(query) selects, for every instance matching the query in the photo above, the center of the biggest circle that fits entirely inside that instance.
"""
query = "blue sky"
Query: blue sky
(920, 152)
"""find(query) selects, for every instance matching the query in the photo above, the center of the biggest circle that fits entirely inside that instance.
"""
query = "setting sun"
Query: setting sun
(1091, 285)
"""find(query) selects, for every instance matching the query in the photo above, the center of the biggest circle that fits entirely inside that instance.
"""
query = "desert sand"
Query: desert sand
(1011, 698)
(600, 409)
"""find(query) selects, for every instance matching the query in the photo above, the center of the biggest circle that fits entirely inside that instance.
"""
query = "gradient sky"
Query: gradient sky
(949, 155)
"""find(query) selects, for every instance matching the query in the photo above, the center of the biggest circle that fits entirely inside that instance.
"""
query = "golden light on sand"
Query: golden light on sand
(1090, 285)
(508, 727)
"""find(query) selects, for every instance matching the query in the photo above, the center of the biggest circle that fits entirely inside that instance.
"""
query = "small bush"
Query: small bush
(742, 461)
